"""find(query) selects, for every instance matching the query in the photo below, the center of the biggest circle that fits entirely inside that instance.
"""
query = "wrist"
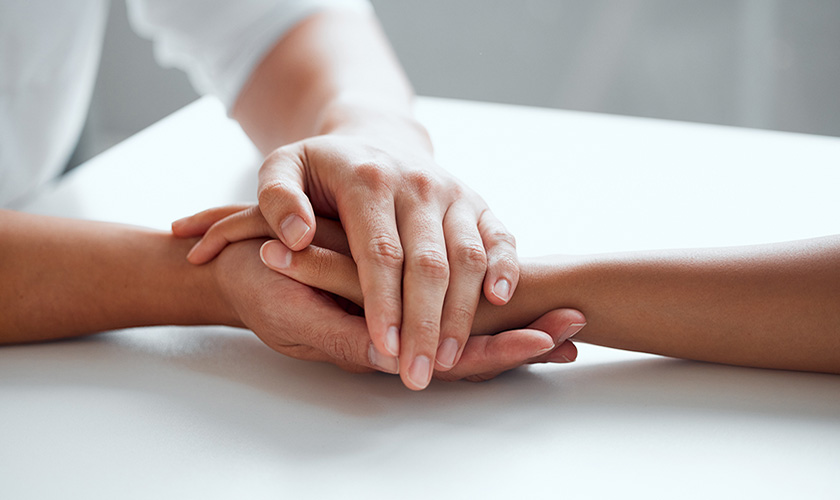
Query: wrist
(362, 115)
(545, 284)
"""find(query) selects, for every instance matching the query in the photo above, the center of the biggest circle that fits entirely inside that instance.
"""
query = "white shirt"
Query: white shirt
(49, 55)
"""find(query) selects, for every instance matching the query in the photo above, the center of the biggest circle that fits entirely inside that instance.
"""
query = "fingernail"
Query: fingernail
(557, 357)
(420, 372)
(570, 332)
(502, 289)
(392, 340)
(387, 364)
(446, 353)
(293, 229)
(275, 255)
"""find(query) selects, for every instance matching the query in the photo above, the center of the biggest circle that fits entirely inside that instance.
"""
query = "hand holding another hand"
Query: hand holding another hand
(304, 323)
(425, 244)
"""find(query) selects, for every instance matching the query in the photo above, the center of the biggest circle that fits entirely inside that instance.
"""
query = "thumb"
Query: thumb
(282, 197)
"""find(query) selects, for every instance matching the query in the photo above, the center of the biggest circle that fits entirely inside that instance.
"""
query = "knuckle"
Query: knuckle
(501, 236)
(430, 263)
(472, 257)
(461, 317)
(427, 329)
(423, 183)
(373, 175)
(505, 262)
(337, 346)
(319, 265)
(273, 191)
(271, 199)
(385, 251)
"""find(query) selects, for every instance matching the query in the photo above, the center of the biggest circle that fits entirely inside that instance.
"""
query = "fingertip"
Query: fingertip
(275, 255)
(296, 233)
(565, 353)
(447, 354)
(195, 255)
(498, 291)
(419, 374)
(177, 225)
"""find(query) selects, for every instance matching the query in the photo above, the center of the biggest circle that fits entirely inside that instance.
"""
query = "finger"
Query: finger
(562, 324)
(332, 335)
(243, 225)
(425, 282)
(198, 224)
(316, 267)
(564, 353)
(468, 263)
(485, 356)
(330, 234)
(502, 263)
(282, 185)
(369, 218)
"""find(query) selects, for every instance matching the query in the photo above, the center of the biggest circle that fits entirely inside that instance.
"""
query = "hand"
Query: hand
(425, 244)
(301, 322)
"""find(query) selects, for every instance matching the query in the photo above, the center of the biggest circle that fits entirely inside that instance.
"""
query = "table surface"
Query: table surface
(212, 412)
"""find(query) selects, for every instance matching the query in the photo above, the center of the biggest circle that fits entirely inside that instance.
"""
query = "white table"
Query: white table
(213, 413)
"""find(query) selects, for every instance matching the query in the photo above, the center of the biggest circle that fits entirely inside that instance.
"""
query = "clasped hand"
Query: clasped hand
(425, 246)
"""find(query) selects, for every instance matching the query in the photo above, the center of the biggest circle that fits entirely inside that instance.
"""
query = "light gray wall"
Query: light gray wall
(756, 63)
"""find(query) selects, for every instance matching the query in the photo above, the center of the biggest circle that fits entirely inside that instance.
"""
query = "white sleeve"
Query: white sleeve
(220, 42)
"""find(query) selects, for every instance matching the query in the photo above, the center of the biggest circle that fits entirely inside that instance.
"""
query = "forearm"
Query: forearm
(775, 306)
(63, 277)
(334, 71)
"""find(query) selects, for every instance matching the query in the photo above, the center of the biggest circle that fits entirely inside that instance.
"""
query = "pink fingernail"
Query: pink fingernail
(446, 353)
(294, 230)
(502, 289)
(387, 364)
(392, 340)
(420, 372)
(275, 255)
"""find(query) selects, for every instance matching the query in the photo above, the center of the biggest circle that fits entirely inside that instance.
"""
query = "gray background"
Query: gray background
(771, 64)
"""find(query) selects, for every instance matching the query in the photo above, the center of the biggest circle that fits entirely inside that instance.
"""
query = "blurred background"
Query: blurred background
(771, 64)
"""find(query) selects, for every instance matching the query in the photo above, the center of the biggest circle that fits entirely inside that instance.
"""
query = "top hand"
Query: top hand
(424, 243)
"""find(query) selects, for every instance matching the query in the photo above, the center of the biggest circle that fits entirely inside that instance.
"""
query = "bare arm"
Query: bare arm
(772, 306)
(63, 277)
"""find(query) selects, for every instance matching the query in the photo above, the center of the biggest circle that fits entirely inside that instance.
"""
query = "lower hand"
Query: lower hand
(304, 323)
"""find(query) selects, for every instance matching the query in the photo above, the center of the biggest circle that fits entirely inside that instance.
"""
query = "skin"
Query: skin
(330, 108)
(768, 306)
(65, 278)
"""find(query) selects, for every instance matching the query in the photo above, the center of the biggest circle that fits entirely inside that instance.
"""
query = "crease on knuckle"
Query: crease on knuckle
(505, 263)
(338, 347)
(501, 236)
(461, 317)
(430, 263)
(472, 257)
(385, 251)
(427, 329)
(319, 263)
